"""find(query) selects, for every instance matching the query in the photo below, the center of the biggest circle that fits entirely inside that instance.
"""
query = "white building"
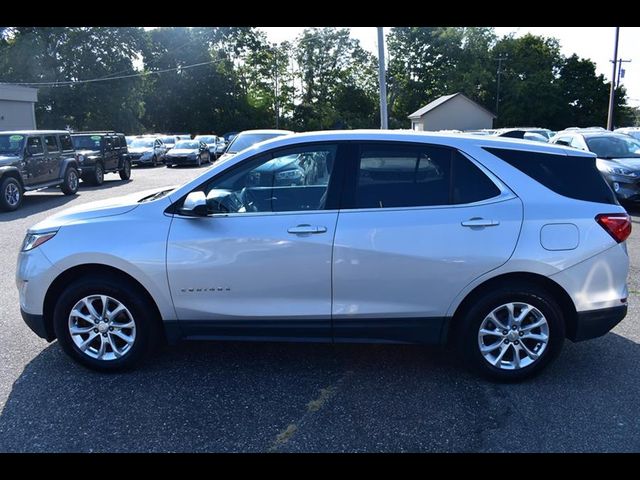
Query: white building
(452, 112)
(17, 107)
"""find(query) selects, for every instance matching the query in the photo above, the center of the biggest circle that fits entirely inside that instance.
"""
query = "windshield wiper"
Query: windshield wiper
(155, 196)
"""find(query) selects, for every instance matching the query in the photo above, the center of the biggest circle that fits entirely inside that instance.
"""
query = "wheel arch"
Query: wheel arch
(556, 291)
(11, 171)
(69, 275)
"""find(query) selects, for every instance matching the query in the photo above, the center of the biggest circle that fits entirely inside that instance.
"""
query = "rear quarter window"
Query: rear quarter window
(568, 175)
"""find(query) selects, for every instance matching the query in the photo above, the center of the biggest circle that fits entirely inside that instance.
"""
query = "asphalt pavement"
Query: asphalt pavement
(281, 397)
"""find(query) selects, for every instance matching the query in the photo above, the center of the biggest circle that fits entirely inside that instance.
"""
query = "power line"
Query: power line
(67, 83)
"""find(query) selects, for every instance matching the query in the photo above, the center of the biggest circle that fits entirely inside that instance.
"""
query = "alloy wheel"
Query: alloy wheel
(102, 327)
(12, 194)
(513, 336)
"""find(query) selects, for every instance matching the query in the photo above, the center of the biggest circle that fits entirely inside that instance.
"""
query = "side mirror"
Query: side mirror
(195, 205)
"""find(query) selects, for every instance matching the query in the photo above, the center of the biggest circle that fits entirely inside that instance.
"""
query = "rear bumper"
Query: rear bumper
(595, 323)
(37, 325)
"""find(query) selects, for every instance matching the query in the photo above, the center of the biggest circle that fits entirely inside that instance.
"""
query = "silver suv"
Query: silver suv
(500, 247)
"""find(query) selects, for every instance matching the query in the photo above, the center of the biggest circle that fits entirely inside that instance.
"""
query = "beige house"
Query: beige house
(17, 107)
(451, 112)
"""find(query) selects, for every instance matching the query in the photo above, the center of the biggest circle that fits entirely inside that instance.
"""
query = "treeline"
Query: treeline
(219, 79)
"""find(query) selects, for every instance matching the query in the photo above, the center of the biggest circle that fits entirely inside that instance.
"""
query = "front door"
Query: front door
(419, 224)
(260, 263)
(36, 164)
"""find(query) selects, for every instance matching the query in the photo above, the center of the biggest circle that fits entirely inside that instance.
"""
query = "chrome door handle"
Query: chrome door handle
(301, 229)
(480, 222)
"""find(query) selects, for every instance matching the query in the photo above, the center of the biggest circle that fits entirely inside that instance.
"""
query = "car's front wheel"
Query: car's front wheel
(10, 194)
(512, 333)
(105, 323)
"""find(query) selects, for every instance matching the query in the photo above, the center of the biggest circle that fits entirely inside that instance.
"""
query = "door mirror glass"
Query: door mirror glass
(195, 205)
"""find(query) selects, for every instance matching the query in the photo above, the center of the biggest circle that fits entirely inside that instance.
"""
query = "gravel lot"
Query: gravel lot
(255, 397)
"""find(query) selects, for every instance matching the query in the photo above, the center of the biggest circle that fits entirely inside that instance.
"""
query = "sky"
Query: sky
(595, 43)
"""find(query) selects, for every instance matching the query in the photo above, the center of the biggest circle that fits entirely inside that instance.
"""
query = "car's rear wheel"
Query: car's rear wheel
(512, 333)
(125, 171)
(105, 323)
(10, 194)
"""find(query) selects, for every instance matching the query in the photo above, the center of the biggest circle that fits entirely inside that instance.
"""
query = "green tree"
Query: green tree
(62, 54)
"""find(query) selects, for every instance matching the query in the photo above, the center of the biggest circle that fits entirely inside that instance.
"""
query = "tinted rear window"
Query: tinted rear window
(570, 176)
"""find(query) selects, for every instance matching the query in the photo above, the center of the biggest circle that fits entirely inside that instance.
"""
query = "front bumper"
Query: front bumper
(595, 323)
(181, 160)
(625, 188)
(37, 324)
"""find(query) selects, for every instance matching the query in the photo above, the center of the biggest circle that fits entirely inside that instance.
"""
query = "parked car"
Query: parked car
(187, 152)
(169, 141)
(491, 246)
(527, 133)
(36, 159)
(102, 152)
(221, 147)
(632, 131)
(229, 136)
(212, 144)
(618, 158)
(147, 151)
(248, 138)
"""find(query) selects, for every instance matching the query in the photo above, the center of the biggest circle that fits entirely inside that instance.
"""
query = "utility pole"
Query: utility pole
(500, 59)
(277, 106)
(612, 92)
(384, 121)
(620, 62)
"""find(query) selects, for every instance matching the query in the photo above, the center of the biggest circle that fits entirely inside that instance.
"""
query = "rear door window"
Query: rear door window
(51, 143)
(66, 142)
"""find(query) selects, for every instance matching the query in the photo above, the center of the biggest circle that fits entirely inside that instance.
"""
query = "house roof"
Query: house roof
(18, 93)
(441, 100)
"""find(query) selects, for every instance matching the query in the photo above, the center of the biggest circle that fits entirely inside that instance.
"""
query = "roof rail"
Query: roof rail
(96, 131)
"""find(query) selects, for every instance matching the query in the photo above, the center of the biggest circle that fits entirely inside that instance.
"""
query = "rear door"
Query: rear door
(417, 224)
(52, 157)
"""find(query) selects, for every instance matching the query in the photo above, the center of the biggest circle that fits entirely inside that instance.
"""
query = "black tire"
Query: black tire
(199, 164)
(11, 194)
(71, 181)
(148, 330)
(125, 171)
(154, 161)
(169, 165)
(469, 343)
(97, 178)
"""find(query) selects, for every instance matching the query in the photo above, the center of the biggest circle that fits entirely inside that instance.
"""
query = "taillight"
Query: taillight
(618, 225)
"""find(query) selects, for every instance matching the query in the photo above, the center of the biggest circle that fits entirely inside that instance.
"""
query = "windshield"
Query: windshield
(86, 142)
(142, 143)
(611, 146)
(169, 140)
(187, 145)
(245, 140)
(11, 144)
(207, 139)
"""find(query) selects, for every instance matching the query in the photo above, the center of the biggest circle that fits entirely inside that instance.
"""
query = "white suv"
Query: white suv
(502, 247)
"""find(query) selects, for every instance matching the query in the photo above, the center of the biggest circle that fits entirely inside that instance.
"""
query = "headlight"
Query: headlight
(621, 171)
(80, 158)
(289, 174)
(33, 240)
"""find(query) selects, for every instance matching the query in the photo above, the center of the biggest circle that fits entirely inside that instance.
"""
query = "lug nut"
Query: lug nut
(521, 333)
(104, 334)
(95, 330)
(506, 341)
(517, 342)
(504, 332)
(513, 327)
(111, 329)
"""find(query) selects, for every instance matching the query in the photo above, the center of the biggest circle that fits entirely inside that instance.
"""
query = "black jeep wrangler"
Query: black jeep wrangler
(36, 159)
(100, 153)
